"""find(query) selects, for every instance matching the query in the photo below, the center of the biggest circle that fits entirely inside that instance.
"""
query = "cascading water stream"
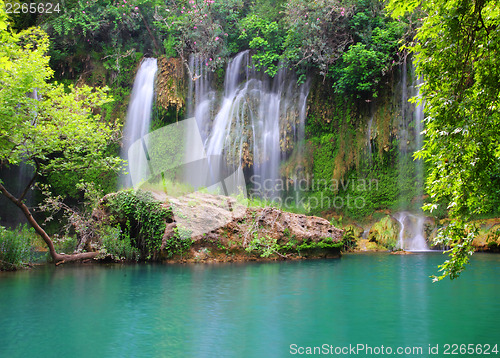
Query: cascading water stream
(139, 118)
(255, 124)
(369, 140)
(404, 135)
(411, 234)
(419, 124)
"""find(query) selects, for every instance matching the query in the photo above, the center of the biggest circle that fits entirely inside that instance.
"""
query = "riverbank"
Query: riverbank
(206, 228)
(416, 232)
(201, 227)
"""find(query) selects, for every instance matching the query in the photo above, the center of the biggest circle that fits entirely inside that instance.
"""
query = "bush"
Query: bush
(179, 243)
(117, 246)
(16, 247)
(142, 220)
(64, 244)
(349, 240)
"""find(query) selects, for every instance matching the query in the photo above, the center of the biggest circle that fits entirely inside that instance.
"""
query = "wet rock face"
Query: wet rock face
(223, 228)
(284, 225)
(207, 215)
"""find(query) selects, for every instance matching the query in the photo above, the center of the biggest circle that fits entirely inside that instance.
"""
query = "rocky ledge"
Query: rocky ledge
(221, 228)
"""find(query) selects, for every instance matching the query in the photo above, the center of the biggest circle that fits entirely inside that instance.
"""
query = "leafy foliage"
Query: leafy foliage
(206, 28)
(325, 243)
(373, 54)
(112, 28)
(117, 246)
(16, 247)
(266, 246)
(299, 34)
(456, 50)
(58, 131)
(316, 32)
(179, 243)
(458, 236)
(142, 220)
(266, 38)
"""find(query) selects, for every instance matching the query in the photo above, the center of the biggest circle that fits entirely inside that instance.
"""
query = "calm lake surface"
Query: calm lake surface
(248, 310)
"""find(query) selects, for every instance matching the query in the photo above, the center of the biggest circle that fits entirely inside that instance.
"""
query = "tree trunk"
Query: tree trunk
(150, 33)
(58, 258)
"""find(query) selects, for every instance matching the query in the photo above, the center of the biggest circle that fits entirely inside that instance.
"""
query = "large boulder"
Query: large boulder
(221, 227)
(224, 227)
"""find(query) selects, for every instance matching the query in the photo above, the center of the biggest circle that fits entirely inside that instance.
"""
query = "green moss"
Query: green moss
(141, 218)
(385, 232)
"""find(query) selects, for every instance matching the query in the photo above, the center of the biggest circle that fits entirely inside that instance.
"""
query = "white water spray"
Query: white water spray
(139, 117)
(411, 235)
(255, 124)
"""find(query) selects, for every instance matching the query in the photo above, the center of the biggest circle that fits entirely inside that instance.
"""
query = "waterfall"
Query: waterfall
(411, 234)
(403, 129)
(138, 119)
(369, 140)
(256, 123)
(410, 136)
(419, 122)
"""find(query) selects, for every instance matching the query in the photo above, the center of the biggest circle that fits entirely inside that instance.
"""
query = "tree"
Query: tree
(316, 32)
(456, 51)
(57, 130)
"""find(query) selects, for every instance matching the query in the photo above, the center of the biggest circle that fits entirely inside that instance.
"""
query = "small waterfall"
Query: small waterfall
(139, 119)
(419, 126)
(411, 177)
(369, 140)
(256, 123)
(404, 126)
(411, 235)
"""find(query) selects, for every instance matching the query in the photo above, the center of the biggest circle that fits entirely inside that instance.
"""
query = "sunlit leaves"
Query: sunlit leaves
(266, 38)
(458, 237)
(25, 70)
(53, 128)
(461, 69)
(399, 8)
(457, 54)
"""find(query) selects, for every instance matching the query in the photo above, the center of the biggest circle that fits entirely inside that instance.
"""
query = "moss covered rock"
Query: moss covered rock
(385, 232)
(493, 238)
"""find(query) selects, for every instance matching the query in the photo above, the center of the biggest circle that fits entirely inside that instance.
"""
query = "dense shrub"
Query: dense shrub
(117, 246)
(142, 220)
(16, 247)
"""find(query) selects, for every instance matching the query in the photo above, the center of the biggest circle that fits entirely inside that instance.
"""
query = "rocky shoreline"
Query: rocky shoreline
(207, 228)
(222, 229)
(385, 233)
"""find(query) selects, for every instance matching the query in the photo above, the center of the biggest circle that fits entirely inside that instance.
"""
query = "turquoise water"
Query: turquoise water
(248, 310)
